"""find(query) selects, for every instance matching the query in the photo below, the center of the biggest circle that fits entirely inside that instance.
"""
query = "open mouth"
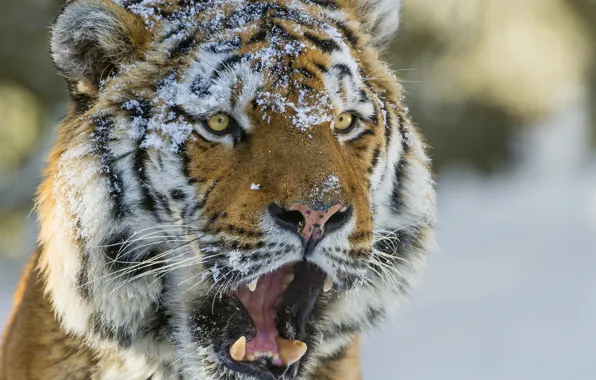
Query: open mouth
(280, 304)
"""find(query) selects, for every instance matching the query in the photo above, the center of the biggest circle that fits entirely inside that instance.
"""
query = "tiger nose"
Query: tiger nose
(308, 223)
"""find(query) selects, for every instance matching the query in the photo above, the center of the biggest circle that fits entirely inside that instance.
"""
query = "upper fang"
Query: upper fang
(328, 284)
(253, 285)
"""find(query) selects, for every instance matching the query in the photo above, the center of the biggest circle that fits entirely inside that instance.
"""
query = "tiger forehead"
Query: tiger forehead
(213, 14)
(259, 62)
(224, 25)
(267, 66)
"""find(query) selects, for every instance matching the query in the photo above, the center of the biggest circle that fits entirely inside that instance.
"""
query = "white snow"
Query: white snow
(510, 295)
(328, 186)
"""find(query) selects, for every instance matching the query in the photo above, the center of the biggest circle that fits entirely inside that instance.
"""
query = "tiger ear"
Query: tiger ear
(91, 38)
(380, 18)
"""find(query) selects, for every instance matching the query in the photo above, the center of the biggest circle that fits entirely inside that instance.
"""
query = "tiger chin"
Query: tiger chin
(235, 193)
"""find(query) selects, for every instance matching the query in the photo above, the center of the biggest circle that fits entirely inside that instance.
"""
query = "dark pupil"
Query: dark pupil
(220, 120)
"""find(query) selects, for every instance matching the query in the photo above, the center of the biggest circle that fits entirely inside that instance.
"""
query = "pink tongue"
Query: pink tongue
(261, 306)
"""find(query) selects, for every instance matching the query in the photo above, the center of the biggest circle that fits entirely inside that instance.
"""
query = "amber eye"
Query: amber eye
(344, 122)
(219, 123)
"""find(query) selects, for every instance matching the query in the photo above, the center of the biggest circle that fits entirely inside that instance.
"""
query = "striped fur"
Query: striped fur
(149, 222)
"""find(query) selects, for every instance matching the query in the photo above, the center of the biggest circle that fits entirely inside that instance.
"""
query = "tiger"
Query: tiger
(236, 192)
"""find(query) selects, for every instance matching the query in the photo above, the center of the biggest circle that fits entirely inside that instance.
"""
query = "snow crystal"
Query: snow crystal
(329, 186)
(195, 90)
(215, 272)
(237, 260)
(408, 139)
(311, 109)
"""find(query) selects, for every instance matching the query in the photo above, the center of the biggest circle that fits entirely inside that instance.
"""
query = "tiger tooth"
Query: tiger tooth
(288, 278)
(238, 349)
(290, 351)
(328, 284)
(253, 285)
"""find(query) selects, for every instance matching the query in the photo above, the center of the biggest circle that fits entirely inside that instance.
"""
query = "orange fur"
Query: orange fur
(34, 347)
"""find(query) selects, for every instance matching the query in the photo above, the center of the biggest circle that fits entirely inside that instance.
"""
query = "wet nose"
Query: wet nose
(308, 223)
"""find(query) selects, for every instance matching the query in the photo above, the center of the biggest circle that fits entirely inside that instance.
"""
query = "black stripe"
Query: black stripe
(201, 86)
(148, 203)
(173, 32)
(81, 101)
(101, 138)
(374, 118)
(158, 322)
(109, 332)
(186, 166)
(330, 4)
(268, 29)
(344, 71)
(140, 108)
(352, 38)
(183, 46)
(306, 72)
(342, 329)
(114, 250)
(178, 195)
(205, 196)
(375, 159)
(123, 256)
(326, 45)
(83, 277)
(321, 67)
(398, 244)
(397, 202)
(262, 34)
(226, 65)
(142, 111)
(363, 96)
(226, 46)
(365, 132)
(390, 125)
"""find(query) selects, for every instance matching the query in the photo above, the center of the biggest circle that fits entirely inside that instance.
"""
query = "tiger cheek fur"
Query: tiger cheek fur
(237, 192)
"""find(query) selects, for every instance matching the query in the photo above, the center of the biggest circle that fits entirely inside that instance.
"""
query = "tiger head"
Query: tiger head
(237, 190)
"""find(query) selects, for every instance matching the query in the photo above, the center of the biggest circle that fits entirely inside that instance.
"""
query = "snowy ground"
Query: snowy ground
(512, 293)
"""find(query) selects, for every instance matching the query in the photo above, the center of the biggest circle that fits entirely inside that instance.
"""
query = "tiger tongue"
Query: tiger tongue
(261, 301)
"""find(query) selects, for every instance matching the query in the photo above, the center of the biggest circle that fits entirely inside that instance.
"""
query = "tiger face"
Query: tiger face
(237, 191)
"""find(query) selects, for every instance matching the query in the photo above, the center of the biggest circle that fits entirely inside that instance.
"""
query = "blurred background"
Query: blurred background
(505, 91)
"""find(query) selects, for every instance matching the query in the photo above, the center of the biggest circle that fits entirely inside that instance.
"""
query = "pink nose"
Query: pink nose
(308, 223)
(316, 221)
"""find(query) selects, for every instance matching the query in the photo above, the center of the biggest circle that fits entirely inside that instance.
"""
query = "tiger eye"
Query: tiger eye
(219, 122)
(344, 122)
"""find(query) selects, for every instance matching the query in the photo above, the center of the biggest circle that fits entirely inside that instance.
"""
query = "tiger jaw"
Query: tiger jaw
(280, 305)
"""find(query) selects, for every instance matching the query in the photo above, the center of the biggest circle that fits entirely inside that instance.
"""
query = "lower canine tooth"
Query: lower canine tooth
(253, 285)
(290, 351)
(238, 349)
(288, 278)
(328, 284)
